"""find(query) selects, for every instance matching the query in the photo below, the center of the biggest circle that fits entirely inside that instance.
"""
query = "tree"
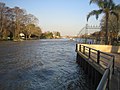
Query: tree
(47, 35)
(56, 34)
(5, 23)
(11, 23)
(32, 30)
(37, 32)
(30, 19)
(30, 22)
(107, 7)
(113, 26)
(14, 21)
(18, 20)
(2, 5)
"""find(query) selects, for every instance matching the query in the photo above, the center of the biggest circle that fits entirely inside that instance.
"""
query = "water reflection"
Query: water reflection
(40, 65)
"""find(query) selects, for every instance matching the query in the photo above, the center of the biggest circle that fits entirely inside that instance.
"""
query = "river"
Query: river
(40, 65)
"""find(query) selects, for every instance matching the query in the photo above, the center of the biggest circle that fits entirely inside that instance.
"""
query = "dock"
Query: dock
(102, 68)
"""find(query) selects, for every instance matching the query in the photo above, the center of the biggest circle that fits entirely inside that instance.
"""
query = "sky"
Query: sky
(66, 16)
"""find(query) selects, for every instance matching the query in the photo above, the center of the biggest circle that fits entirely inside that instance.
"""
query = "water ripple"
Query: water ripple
(40, 65)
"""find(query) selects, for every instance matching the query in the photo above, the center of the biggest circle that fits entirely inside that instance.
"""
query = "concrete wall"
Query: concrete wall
(105, 48)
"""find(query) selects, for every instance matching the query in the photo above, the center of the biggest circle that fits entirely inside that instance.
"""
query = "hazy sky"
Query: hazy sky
(65, 16)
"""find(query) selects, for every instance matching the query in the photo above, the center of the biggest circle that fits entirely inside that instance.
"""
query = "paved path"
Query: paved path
(117, 60)
(115, 82)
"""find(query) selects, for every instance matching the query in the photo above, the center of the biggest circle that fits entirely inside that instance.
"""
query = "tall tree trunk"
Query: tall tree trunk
(17, 30)
(106, 32)
(1, 23)
(118, 29)
(26, 37)
(4, 35)
(29, 36)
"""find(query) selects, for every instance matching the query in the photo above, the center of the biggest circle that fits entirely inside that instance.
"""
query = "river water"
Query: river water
(40, 65)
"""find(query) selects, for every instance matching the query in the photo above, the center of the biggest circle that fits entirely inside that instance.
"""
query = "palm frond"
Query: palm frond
(115, 14)
(93, 1)
(117, 7)
(101, 4)
(94, 12)
(105, 3)
(110, 4)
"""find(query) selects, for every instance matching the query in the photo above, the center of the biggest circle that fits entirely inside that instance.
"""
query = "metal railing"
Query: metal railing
(105, 60)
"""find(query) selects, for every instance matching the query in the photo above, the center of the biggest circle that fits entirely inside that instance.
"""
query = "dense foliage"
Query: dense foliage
(14, 21)
(113, 27)
(50, 35)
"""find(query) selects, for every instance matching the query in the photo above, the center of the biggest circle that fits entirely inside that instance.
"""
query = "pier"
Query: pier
(100, 67)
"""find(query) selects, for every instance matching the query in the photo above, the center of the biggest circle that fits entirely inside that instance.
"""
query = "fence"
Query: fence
(103, 59)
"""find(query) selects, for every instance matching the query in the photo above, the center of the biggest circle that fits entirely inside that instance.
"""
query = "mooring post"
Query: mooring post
(98, 56)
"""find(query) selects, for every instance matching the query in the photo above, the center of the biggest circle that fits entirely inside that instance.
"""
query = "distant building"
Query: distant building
(22, 35)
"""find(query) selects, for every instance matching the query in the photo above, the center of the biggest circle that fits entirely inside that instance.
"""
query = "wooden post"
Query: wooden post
(89, 52)
(83, 49)
(76, 47)
(113, 63)
(98, 56)
(80, 48)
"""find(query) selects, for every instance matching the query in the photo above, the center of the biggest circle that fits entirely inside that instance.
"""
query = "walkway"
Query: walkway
(115, 82)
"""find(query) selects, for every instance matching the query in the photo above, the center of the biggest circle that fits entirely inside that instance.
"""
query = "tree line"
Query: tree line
(14, 21)
(51, 35)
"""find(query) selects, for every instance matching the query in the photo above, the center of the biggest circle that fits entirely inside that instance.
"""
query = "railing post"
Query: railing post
(113, 64)
(98, 56)
(83, 49)
(89, 52)
(76, 47)
(80, 48)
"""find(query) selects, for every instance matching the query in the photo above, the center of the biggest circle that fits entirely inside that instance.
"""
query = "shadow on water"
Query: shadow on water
(40, 65)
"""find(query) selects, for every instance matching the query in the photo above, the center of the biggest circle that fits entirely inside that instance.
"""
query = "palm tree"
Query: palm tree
(107, 7)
